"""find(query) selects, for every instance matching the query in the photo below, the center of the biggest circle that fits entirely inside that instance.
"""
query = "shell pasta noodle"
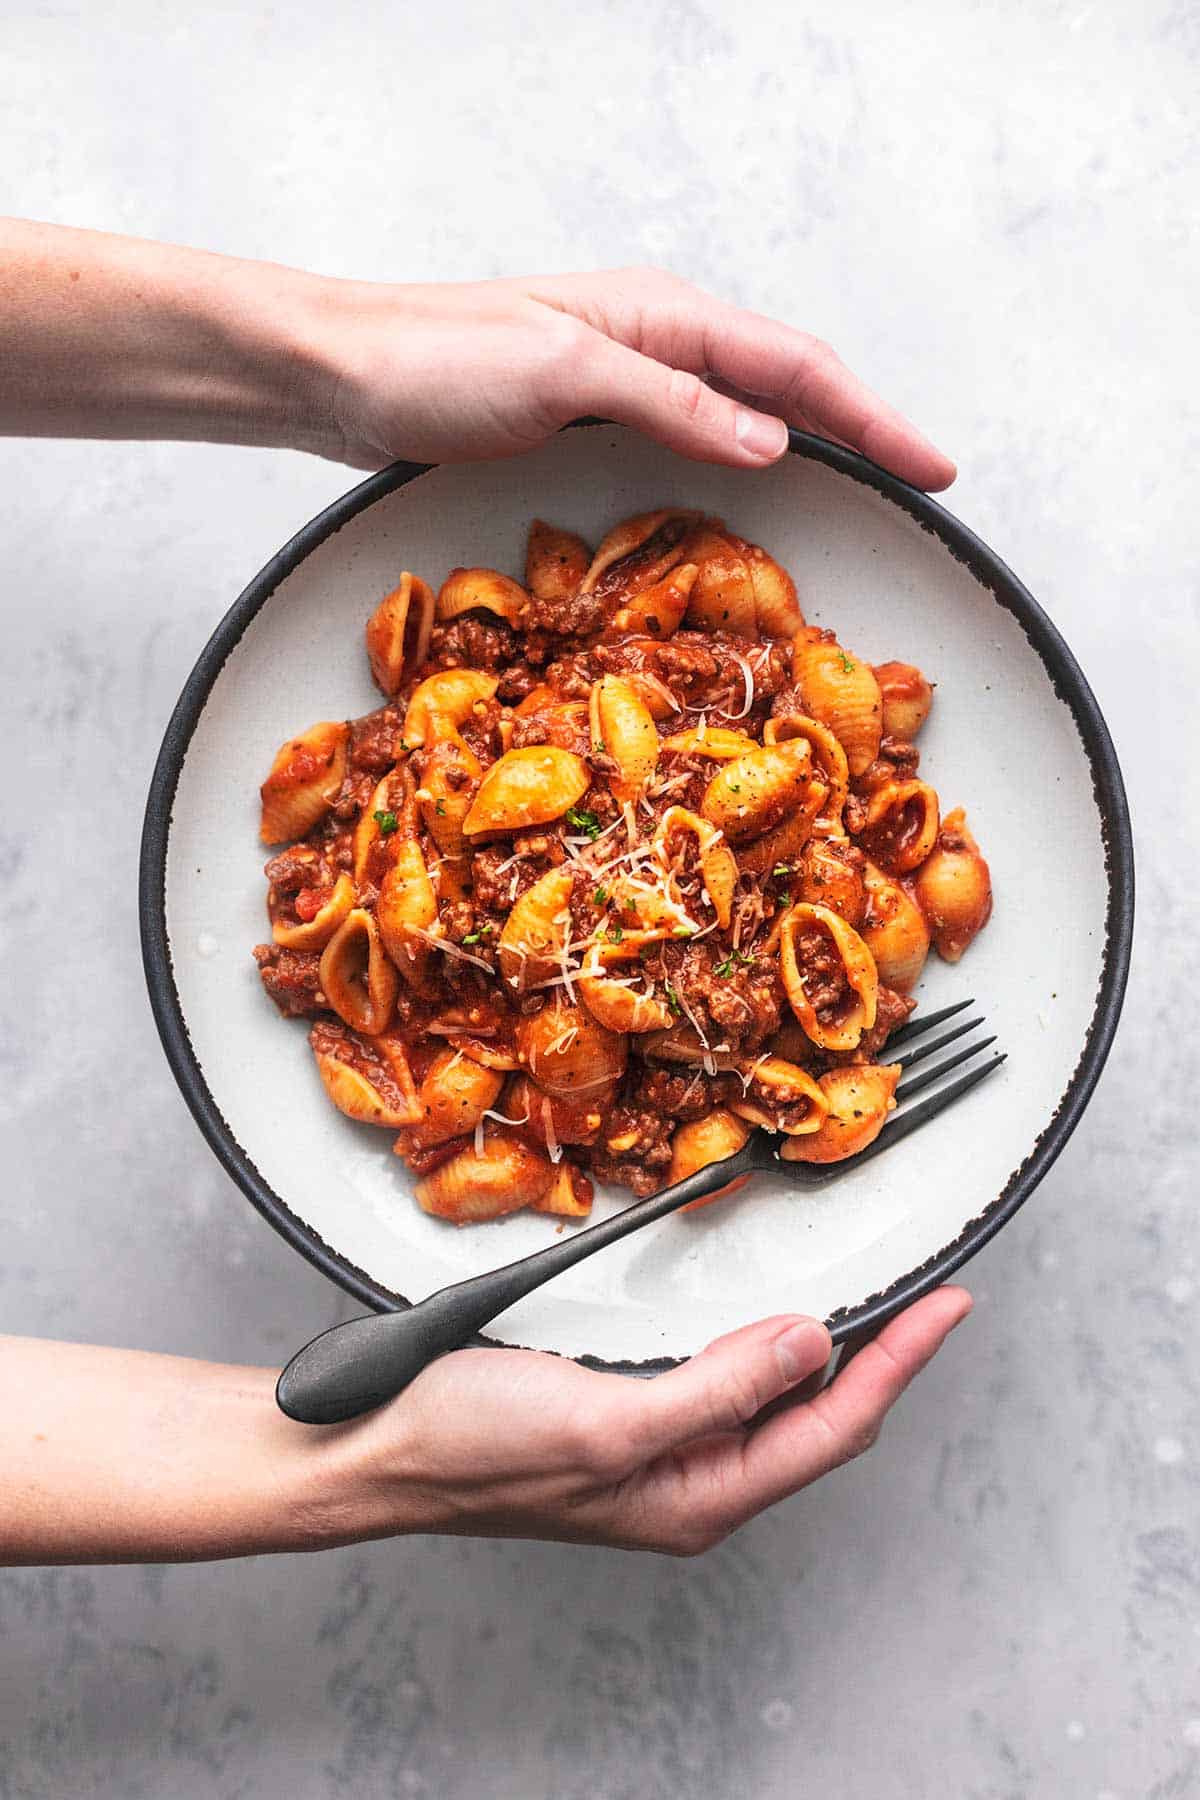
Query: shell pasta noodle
(631, 861)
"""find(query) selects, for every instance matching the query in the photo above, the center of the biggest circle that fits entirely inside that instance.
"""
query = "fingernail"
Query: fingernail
(802, 1348)
(760, 435)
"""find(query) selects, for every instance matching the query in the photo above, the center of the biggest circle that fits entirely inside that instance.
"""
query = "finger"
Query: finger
(671, 405)
(722, 1388)
(795, 374)
(796, 1447)
(810, 383)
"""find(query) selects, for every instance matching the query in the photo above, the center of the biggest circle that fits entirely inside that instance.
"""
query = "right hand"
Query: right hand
(517, 1443)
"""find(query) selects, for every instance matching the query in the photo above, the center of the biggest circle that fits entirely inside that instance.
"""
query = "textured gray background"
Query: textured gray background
(990, 210)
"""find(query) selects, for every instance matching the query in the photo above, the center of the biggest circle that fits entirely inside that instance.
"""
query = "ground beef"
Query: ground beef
(633, 1149)
(823, 973)
(891, 1010)
(376, 739)
(737, 1004)
(570, 617)
(903, 758)
(478, 732)
(295, 868)
(518, 680)
(293, 980)
(554, 725)
(680, 1097)
(475, 640)
(496, 887)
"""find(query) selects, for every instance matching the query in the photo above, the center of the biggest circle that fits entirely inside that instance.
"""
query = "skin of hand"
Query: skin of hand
(104, 336)
(125, 1456)
(113, 1455)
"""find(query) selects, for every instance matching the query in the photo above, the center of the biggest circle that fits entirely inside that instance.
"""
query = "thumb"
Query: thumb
(672, 405)
(726, 1385)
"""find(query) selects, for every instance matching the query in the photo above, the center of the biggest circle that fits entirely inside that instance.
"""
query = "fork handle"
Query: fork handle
(354, 1367)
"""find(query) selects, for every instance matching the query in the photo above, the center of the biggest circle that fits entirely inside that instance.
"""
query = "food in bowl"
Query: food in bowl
(631, 861)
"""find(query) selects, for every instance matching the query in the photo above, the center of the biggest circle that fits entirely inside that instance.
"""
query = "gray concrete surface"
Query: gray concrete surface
(991, 211)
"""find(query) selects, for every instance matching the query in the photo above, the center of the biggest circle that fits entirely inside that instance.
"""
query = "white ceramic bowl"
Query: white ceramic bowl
(1015, 736)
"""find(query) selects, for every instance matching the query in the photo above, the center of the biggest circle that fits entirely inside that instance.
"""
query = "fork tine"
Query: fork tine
(938, 1043)
(926, 1022)
(913, 1117)
(913, 1084)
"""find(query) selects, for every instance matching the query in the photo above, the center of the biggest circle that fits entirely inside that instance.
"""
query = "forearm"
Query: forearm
(122, 1456)
(112, 337)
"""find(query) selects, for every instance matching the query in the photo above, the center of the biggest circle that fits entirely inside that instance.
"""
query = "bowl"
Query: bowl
(1015, 736)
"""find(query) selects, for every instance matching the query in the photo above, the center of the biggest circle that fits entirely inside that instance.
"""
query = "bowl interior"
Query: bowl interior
(1000, 741)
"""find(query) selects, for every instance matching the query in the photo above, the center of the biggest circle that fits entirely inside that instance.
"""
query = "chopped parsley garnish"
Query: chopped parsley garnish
(482, 932)
(583, 821)
(743, 956)
(387, 823)
(781, 869)
(847, 665)
(600, 897)
(672, 998)
(785, 899)
(614, 934)
(440, 806)
(734, 788)
(682, 931)
(599, 748)
(725, 968)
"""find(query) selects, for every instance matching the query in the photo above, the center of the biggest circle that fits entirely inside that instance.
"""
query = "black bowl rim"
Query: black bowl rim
(1069, 684)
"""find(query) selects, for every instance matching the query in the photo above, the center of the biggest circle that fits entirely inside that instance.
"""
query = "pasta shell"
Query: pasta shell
(359, 981)
(466, 590)
(907, 698)
(840, 691)
(527, 787)
(623, 730)
(954, 888)
(450, 696)
(555, 562)
(535, 700)
(447, 792)
(777, 611)
(758, 789)
(375, 848)
(568, 1052)
(407, 906)
(531, 943)
(828, 873)
(471, 1186)
(451, 1100)
(785, 842)
(722, 598)
(894, 930)
(654, 694)
(702, 1142)
(619, 1004)
(659, 610)
(637, 553)
(315, 933)
(304, 781)
(859, 1097)
(398, 631)
(362, 1082)
(553, 1119)
(569, 1195)
(901, 825)
(718, 865)
(710, 740)
(780, 1096)
(819, 951)
(828, 757)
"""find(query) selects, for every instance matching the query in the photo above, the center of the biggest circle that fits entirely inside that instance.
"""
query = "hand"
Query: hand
(514, 1443)
(449, 372)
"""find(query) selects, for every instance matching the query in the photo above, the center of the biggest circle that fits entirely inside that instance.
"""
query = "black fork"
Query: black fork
(356, 1366)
